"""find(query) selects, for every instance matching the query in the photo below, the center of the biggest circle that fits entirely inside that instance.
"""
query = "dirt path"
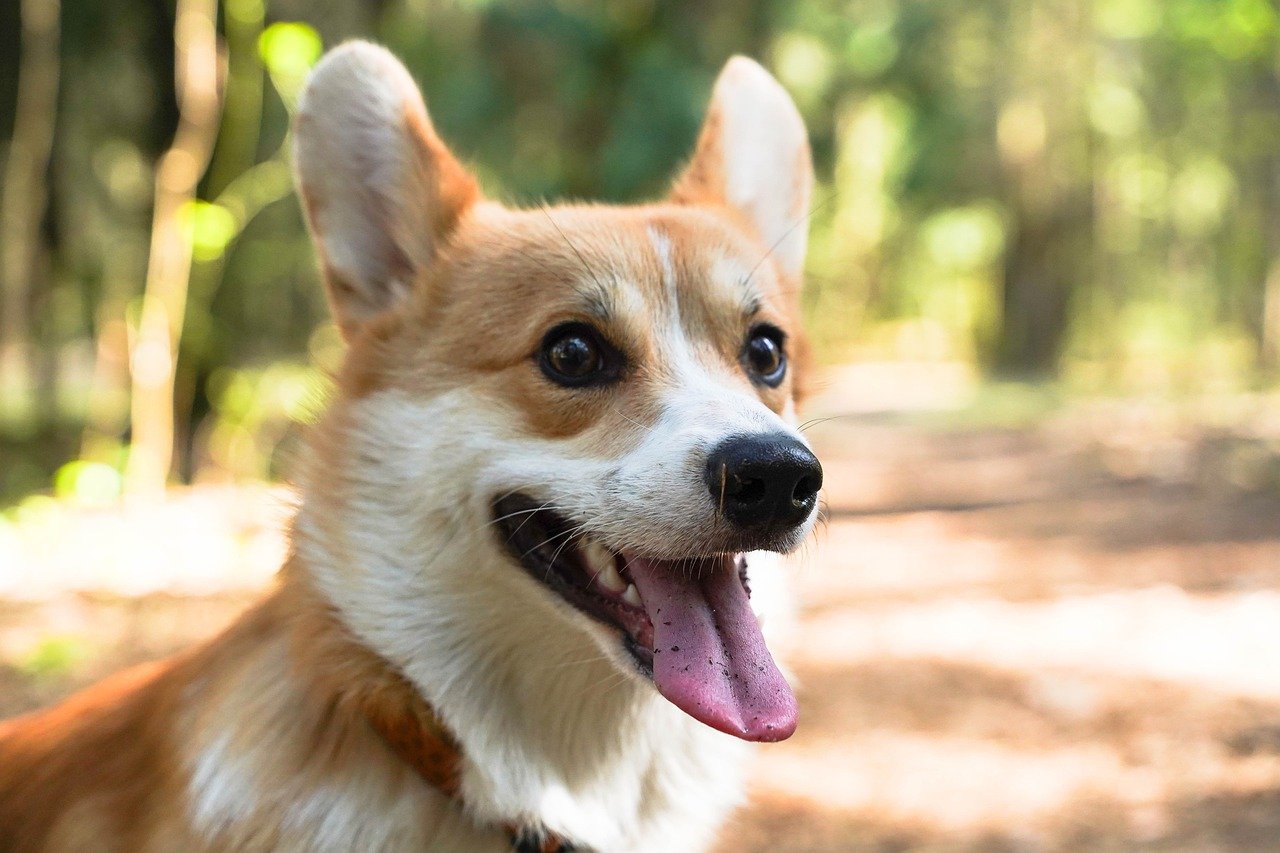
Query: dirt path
(1006, 644)
(1056, 636)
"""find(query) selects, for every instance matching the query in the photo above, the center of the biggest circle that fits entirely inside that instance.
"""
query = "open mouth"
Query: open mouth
(687, 624)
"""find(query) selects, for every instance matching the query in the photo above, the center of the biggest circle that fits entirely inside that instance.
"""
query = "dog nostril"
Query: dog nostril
(804, 491)
(746, 490)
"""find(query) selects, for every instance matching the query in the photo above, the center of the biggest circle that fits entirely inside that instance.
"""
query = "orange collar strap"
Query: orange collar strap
(414, 733)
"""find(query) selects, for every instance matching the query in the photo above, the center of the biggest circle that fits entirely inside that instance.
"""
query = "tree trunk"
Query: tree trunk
(26, 197)
(1049, 254)
(153, 354)
(1042, 269)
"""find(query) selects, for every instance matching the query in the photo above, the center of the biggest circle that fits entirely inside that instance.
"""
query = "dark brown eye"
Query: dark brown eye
(575, 355)
(764, 356)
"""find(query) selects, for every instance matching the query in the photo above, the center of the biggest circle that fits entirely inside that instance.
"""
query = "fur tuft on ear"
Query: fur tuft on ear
(753, 156)
(381, 192)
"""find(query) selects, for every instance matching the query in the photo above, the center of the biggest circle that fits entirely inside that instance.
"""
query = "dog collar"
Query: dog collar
(415, 733)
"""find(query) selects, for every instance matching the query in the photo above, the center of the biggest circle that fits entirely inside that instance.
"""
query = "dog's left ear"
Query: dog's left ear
(753, 156)
(380, 190)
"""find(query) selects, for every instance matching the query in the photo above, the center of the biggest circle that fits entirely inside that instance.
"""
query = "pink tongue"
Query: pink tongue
(710, 659)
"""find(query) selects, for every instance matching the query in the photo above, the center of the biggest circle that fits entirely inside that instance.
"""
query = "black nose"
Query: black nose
(763, 481)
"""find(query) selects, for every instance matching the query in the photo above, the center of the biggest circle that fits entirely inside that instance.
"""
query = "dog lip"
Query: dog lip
(549, 548)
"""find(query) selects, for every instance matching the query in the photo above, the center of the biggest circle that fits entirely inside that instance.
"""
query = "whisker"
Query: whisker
(624, 416)
(546, 211)
(565, 664)
(724, 473)
(567, 542)
(513, 515)
(622, 679)
(812, 422)
(785, 234)
(551, 539)
(526, 521)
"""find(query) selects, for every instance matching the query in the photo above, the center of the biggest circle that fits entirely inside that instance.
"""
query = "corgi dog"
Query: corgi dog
(536, 525)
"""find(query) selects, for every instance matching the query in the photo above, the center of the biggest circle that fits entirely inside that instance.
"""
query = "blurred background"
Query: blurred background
(1044, 288)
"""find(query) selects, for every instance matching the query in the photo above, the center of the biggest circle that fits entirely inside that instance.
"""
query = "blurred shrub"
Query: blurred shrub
(1040, 188)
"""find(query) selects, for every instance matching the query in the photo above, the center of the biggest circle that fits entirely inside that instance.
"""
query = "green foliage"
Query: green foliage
(1038, 186)
(211, 227)
(254, 412)
(288, 50)
(55, 656)
(88, 483)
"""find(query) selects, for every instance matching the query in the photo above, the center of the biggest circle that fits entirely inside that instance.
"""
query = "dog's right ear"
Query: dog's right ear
(380, 190)
(753, 157)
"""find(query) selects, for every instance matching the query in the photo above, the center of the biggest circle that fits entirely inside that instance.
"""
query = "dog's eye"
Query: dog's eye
(764, 355)
(575, 355)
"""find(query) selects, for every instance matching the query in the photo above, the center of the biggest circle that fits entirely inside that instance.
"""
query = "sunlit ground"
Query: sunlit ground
(1026, 625)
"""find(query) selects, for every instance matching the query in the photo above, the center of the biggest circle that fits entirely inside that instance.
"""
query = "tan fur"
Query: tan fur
(103, 770)
(506, 271)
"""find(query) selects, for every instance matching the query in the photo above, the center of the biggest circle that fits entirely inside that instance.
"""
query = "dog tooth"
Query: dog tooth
(610, 579)
(600, 562)
(630, 596)
(596, 555)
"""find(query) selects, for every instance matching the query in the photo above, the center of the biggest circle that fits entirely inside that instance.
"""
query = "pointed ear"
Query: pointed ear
(380, 190)
(753, 156)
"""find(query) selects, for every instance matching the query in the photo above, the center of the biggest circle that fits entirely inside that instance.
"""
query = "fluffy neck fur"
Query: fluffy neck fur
(551, 731)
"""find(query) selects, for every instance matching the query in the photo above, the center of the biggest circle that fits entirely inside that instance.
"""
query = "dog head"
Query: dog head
(583, 414)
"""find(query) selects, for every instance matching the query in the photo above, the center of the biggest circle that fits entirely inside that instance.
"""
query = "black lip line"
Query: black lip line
(605, 610)
(641, 656)
(550, 575)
